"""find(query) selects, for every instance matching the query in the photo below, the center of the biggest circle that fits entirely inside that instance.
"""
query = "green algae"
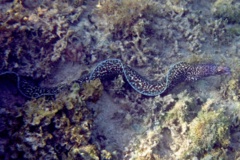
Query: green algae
(234, 30)
(227, 10)
(208, 130)
(58, 128)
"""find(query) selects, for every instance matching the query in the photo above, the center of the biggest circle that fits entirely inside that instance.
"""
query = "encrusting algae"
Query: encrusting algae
(209, 129)
(54, 129)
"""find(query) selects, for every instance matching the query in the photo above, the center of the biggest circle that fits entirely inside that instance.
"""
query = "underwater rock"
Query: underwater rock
(31, 4)
(228, 10)
(50, 128)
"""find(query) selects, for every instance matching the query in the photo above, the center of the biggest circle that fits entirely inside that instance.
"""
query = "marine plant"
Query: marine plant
(208, 131)
(39, 23)
(228, 10)
(51, 129)
(122, 15)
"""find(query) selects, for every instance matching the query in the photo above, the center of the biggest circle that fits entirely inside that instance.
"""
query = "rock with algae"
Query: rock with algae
(208, 130)
(227, 10)
(44, 25)
(182, 130)
(92, 90)
(123, 14)
(50, 129)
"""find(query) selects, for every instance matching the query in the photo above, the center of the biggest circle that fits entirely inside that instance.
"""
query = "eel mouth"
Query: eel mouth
(223, 70)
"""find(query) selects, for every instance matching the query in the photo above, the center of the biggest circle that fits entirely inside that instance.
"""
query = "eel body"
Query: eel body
(177, 73)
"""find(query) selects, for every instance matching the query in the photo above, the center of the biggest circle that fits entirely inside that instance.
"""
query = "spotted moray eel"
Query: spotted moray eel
(178, 73)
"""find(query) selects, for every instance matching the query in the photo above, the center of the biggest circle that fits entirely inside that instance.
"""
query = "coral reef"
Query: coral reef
(48, 129)
(40, 24)
(155, 25)
(202, 127)
(92, 90)
(123, 15)
(179, 131)
(227, 10)
(60, 40)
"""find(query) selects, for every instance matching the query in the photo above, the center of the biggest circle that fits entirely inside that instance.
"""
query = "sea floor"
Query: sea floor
(56, 42)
